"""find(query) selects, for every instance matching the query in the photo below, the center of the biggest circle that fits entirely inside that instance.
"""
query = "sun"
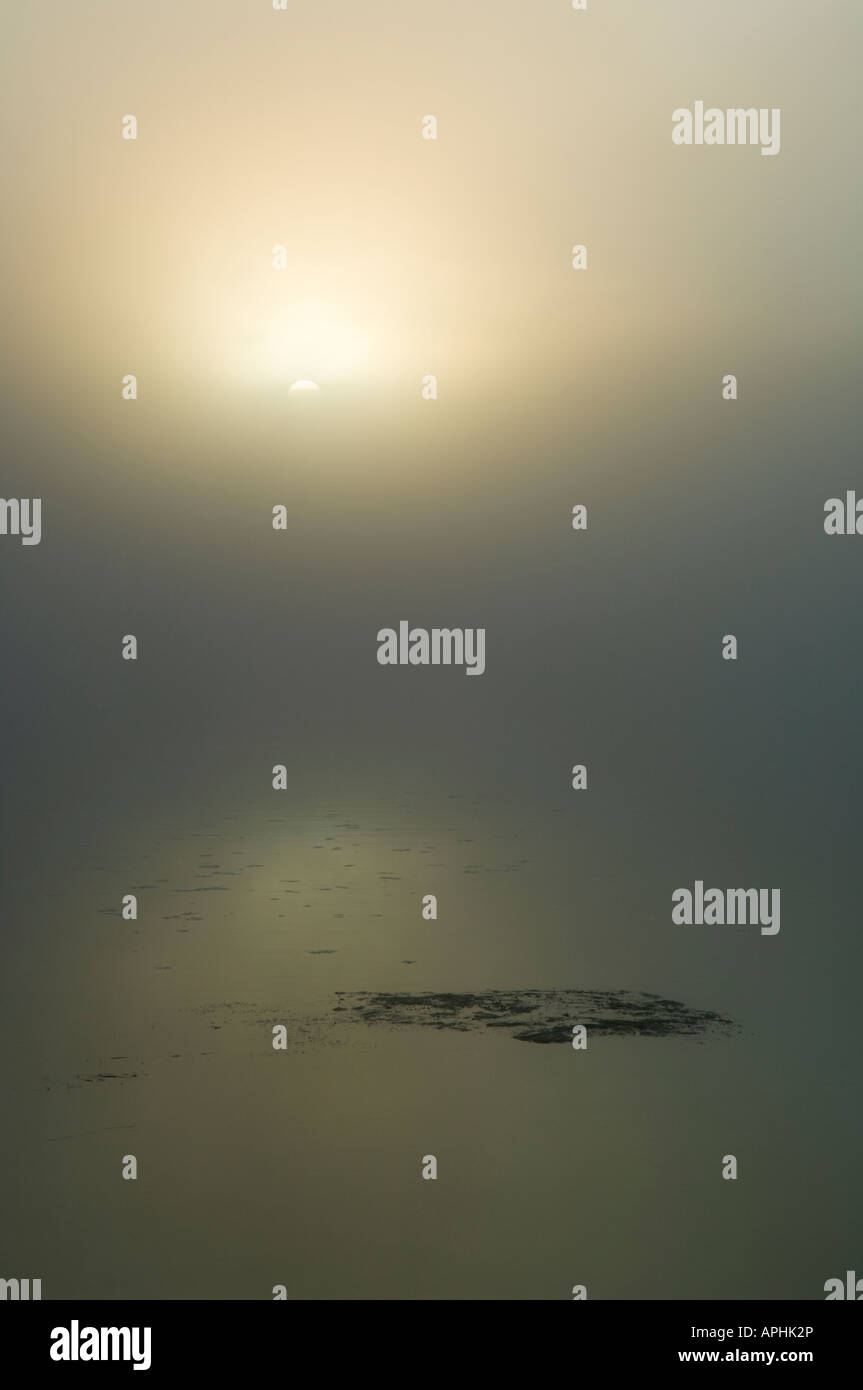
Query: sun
(303, 344)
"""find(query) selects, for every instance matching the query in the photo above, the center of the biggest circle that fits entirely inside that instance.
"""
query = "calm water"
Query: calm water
(302, 1167)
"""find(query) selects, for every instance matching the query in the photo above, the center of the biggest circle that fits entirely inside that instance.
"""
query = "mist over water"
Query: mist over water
(261, 1167)
(258, 648)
